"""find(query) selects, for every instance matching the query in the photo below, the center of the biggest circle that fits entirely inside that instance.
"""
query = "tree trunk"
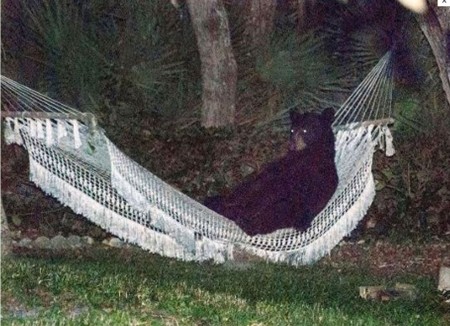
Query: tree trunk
(5, 236)
(219, 69)
(259, 25)
(304, 19)
(435, 25)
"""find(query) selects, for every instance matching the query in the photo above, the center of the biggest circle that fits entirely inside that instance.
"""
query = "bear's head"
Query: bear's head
(311, 130)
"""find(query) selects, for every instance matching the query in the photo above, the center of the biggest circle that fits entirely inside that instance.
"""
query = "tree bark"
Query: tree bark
(304, 19)
(259, 24)
(218, 65)
(435, 25)
(5, 236)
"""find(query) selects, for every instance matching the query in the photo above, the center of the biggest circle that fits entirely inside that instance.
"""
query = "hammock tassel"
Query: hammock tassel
(40, 129)
(48, 132)
(388, 141)
(33, 127)
(76, 134)
(61, 128)
(12, 131)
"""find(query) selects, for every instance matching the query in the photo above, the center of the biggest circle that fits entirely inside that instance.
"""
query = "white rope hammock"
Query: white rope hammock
(75, 162)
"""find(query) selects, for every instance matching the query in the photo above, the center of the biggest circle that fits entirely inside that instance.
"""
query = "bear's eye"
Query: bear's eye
(305, 131)
(292, 131)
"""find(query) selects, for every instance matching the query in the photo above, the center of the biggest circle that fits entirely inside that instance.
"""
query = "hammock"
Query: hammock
(72, 160)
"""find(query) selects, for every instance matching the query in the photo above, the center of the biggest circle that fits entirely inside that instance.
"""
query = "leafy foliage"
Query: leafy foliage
(67, 46)
(413, 198)
(420, 107)
(298, 68)
(109, 56)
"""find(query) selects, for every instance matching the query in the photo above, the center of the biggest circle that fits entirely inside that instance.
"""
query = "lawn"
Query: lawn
(127, 286)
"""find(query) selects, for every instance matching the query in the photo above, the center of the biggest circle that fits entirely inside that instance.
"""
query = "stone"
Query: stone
(74, 241)
(58, 242)
(246, 170)
(25, 242)
(42, 242)
(116, 243)
(88, 240)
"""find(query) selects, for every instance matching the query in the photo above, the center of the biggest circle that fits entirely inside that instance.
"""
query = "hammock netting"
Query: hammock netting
(72, 160)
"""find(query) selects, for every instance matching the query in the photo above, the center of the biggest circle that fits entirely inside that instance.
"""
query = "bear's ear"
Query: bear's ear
(328, 115)
(294, 115)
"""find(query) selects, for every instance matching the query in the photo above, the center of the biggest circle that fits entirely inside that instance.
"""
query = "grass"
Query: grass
(131, 287)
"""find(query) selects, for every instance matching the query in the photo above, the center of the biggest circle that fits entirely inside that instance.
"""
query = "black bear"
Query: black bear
(291, 191)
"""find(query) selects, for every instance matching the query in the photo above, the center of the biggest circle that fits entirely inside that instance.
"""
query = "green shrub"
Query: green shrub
(298, 68)
(110, 57)
(66, 47)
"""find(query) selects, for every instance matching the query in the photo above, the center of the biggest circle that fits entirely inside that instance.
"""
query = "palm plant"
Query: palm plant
(300, 74)
(67, 46)
(299, 69)
(123, 56)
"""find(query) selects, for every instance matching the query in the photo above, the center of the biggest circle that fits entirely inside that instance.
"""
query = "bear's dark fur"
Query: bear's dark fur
(291, 191)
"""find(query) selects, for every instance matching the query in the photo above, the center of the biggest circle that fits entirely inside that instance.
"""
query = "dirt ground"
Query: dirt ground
(388, 259)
